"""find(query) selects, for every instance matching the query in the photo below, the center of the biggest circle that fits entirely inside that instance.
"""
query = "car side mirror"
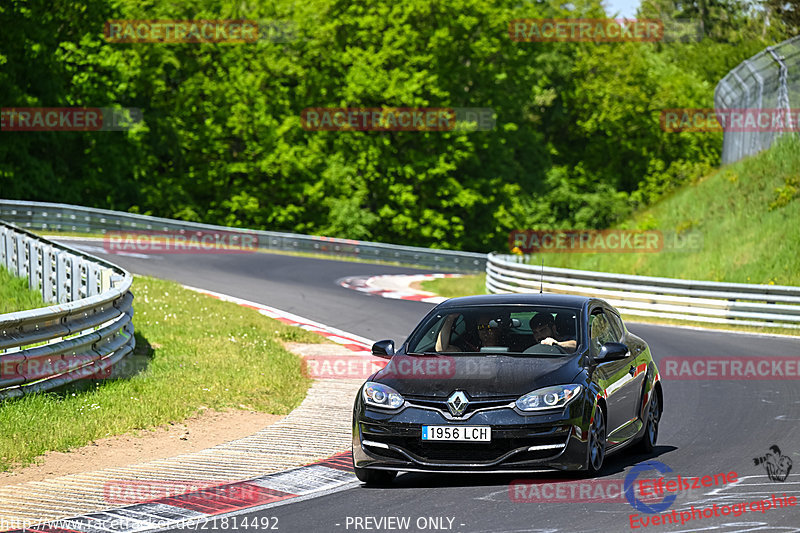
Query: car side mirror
(384, 349)
(612, 351)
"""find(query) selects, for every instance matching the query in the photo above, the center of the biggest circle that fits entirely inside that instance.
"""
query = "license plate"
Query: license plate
(457, 433)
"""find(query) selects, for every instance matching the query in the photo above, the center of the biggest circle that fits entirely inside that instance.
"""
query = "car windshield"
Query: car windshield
(529, 330)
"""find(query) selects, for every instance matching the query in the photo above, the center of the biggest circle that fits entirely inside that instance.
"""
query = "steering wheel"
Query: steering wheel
(546, 349)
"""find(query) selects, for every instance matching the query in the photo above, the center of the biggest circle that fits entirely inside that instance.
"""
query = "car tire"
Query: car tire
(374, 477)
(648, 442)
(596, 442)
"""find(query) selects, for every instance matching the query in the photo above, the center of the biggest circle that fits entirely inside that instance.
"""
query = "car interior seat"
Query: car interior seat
(443, 339)
(565, 324)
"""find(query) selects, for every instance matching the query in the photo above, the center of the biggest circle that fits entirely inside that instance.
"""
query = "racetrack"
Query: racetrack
(708, 427)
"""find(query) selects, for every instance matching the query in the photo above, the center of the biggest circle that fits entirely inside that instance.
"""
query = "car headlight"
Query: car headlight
(378, 395)
(548, 398)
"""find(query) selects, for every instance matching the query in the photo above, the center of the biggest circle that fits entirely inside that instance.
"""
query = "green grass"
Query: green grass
(15, 294)
(193, 352)
(747, 213)
(453, 287)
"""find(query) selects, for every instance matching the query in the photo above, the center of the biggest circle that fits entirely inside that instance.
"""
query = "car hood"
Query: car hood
(479, 375)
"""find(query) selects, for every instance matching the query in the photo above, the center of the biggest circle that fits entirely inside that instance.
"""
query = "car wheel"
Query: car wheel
(648, 442)
(374, 477)
(597, 442)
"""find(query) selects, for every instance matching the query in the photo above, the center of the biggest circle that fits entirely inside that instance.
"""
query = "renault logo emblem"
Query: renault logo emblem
(457, 403)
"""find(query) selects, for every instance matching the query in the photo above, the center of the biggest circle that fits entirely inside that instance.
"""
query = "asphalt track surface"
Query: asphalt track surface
(708, 427)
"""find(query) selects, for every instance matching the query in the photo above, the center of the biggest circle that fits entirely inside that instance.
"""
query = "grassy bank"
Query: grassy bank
(453, 287)
(15, 294)
(193, 352)
(747, 214)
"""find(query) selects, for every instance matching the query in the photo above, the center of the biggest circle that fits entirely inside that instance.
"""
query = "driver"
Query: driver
(543, 326)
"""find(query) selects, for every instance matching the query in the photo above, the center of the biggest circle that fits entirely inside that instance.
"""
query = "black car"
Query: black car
(507, 383)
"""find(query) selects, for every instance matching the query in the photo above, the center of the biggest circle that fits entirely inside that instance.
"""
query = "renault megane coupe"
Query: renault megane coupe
(507, 383)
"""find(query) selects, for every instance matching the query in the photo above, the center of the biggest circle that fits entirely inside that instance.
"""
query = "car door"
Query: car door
(614, 376)
(638, 372)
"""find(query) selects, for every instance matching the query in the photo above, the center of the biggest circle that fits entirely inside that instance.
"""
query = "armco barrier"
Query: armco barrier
(698, 301)
(88, 328)
(63, 217)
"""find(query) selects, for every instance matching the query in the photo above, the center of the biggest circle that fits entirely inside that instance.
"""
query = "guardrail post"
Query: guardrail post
(49, 270)
(105, 279)
(13, 255)
(62, 273)
(3, 240)
(93, 282)
(35, 262)
(22, 267)
(75, 279)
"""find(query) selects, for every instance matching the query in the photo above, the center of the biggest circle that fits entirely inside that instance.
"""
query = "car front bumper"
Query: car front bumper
(519, 442)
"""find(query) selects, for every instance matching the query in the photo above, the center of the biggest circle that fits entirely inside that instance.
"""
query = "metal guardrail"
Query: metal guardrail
(698, 301)
(64, 217)
(768, 80)
(87, 330)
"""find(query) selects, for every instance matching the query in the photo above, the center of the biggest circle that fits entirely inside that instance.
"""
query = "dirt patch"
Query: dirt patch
(192, 435)
(417, 286)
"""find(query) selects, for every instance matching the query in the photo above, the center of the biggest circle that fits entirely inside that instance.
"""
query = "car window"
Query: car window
(428, 340)
(505, 329)
(616, 324)
(600, 331)
(459, 328)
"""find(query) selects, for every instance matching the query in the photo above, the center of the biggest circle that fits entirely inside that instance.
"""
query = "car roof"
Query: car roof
(555, 300)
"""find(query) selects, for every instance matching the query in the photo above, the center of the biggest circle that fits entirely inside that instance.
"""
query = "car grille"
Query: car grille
(474, 404)
(467, 452)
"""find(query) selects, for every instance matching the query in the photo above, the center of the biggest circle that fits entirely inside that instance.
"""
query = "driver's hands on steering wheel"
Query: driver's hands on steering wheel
(550, 341)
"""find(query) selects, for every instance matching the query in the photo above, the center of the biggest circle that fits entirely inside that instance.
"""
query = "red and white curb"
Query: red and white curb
(195, 510)
(397, 287)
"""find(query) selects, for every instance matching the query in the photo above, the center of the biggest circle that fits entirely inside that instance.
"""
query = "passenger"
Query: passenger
(543, 326)
(492, 330)
(488, 331)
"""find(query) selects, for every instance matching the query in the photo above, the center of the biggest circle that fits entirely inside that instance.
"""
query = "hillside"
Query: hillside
(747, 214)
